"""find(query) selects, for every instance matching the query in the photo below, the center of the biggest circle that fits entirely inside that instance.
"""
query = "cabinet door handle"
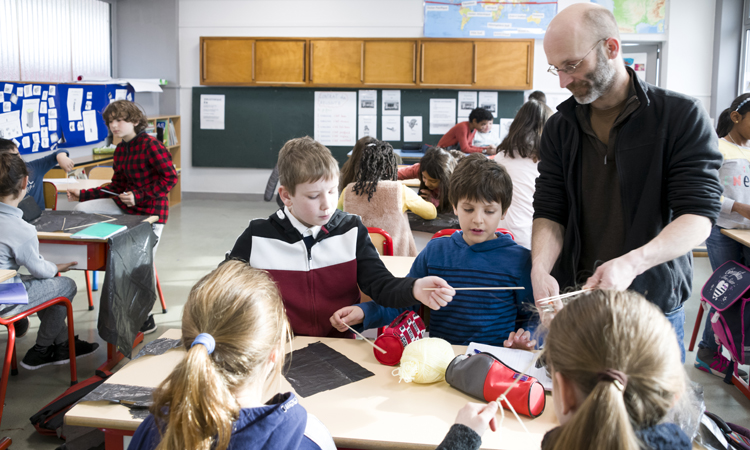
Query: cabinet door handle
(312, 48)
(528, 64)
(474, 75)
(421, 74)
(414, 63)
(362, 64)
(253, 62)
(203, 61)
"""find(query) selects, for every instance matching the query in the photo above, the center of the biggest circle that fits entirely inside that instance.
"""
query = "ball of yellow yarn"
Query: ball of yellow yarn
(425, 361)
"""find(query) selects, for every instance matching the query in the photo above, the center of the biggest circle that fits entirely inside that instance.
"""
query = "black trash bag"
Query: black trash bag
(128, 293)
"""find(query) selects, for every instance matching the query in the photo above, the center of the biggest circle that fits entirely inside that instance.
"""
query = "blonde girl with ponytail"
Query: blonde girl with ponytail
(234, 328)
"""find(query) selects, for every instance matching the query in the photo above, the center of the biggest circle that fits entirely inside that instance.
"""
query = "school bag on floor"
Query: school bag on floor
(727, 291)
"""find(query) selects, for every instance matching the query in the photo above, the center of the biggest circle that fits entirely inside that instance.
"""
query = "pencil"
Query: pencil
(489, 288)
(366, 340)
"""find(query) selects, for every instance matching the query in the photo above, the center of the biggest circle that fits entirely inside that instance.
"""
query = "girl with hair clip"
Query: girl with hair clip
(381, 200)
(613, 387)
(434, 172)
(734, 132)
(234, 328)
(519, 153)
(350, 167)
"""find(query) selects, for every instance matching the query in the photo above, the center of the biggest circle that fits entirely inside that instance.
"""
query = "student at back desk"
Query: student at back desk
(320, 256)
(476, 256)
(461, 136)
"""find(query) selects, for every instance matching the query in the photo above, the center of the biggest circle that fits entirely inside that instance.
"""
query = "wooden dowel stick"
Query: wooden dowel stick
(558, 297)
(497, 288)
(366, 340)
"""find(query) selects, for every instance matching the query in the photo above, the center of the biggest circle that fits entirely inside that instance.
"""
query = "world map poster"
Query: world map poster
(488, 19)
(637, 16)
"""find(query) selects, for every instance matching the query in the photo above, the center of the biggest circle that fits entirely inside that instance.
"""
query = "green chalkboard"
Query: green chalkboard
(259, 120)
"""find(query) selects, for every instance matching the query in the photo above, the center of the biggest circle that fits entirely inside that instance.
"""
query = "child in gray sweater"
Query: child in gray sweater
(19, 246)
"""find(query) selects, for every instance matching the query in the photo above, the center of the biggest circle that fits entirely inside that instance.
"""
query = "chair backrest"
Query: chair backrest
(449, 231)
(381, 240)
(50, 195)
(101, 173)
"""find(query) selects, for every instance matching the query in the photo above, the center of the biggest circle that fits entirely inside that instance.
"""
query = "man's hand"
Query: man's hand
(520, 340)
(128, 198)
(352, 315)
(478, 417)
(74, 195)
(433, 299)
(545, 285)
(66, 266)
(64, 162)
(616, 274)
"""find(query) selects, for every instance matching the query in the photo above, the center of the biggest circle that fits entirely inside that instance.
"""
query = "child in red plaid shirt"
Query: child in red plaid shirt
(144, 173)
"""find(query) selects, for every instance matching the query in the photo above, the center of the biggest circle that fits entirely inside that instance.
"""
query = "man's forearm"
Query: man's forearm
(676, 239)
(546, 244)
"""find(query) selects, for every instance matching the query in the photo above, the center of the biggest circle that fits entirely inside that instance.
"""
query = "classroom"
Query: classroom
(223, 124)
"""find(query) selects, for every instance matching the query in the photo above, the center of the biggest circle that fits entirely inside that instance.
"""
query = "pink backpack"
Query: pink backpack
(728, 291)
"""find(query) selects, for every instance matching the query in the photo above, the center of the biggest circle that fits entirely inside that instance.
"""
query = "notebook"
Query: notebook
(13, 293)
(99, 231)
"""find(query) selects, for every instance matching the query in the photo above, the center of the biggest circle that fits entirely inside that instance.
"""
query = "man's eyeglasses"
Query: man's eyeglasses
(570, 68)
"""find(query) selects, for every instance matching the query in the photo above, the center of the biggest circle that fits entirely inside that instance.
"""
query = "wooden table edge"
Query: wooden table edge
(59, 236)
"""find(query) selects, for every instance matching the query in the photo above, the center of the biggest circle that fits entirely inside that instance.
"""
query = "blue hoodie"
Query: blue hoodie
(37, 169)
(486, 317)
(281, 424)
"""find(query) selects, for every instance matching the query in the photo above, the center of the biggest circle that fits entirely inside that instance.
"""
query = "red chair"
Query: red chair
(10, 366)
(381, 240)
(697, 326)
(449, 231)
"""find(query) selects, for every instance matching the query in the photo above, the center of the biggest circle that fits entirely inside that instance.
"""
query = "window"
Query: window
(745, 55)
(54, 40)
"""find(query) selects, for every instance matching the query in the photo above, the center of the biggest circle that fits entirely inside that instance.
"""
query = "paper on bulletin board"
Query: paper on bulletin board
(412, 128)
(488, 101)
(30, 115)
(467, 101)
(10, 125)
(442, 115)
(391, 103)
(391, 128)
(75, 103)
(212, 112)
(335, 118)
(368, 126)
(91, 131)
(368, 103)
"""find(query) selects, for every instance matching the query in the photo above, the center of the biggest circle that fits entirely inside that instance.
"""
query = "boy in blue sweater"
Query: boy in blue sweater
(477, 256)
(38, 168)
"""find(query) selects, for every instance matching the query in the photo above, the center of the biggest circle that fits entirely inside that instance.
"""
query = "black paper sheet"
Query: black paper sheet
(158, 347)
(441, 222)
(318, 367)
(52, 221)
(142, 396)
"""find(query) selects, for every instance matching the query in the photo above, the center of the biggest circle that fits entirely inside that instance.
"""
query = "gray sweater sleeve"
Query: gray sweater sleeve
(460, 437)
(27, 254)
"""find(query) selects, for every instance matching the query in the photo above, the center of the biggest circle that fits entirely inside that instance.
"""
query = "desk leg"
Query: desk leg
(114, 357)
(115, 439)
(741, 385)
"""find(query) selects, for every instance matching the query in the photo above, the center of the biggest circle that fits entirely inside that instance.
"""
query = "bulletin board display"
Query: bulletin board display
(36, 116)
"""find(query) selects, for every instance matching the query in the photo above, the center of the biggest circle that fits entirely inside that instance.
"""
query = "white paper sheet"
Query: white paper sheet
(19, 91)
(53, 124)
(6, 107)
(391, 128)
(517, 360)
(88, 106)
(488, 101)
(27, 90)
(52, 90)
(37, 91)
(45, 142)
(368, 126)
(368, 103)
(467, 100)
(212, 112)
(442, 115)
(42, 121)
(72, 126)
(504, 127)
(391, 103)
(34, 147)
(10, 125)
(51, 102)
(26, 141)
(43, 108)
(8, 88)
(412, 128)
(45, 94)
(335, 118)
(79, 126)
(52, 113)
(54, 137)
(120, 94)
(30, 115)
(75, 103)
(91, 132)
(13, 98)
(89, 95)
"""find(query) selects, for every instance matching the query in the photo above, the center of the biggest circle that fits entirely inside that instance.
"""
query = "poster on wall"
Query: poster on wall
(335, 118)
(212, 112)
(637, 62)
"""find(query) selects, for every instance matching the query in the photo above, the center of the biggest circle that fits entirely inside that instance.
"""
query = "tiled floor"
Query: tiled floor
(198, 234)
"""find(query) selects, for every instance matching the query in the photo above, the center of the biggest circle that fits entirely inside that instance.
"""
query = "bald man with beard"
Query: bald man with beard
(628, 176)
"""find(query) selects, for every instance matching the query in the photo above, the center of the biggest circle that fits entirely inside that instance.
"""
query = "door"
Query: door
(336, 61)
(504, 65)
(447, 63)
(390, 62)
(280, 61)
(227, 61)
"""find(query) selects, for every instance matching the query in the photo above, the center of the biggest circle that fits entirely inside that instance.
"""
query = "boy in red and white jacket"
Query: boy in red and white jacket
(319, 256)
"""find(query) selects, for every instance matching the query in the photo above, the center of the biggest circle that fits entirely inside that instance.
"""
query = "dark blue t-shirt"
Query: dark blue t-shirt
(37, 169)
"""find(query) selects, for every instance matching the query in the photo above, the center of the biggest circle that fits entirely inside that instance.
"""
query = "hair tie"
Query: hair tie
(618, 378)
(206, 340)
(742, 104)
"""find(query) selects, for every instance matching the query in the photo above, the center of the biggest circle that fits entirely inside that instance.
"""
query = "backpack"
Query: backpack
(727, 291)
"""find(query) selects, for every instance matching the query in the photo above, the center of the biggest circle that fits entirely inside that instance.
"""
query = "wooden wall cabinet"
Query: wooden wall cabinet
(379, 62)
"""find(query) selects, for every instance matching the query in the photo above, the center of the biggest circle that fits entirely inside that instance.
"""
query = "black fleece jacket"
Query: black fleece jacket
(667, 162)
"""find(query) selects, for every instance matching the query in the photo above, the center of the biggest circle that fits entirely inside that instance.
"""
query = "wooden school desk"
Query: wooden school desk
(82, 162)
(6, 275)
(91, 254)
(62, 184)
(411, 182)
(374, 413)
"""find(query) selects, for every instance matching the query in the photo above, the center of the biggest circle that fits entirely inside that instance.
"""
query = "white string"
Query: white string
(512, 385)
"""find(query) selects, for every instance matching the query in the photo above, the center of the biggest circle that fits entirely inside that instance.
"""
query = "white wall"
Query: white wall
(687, 53)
